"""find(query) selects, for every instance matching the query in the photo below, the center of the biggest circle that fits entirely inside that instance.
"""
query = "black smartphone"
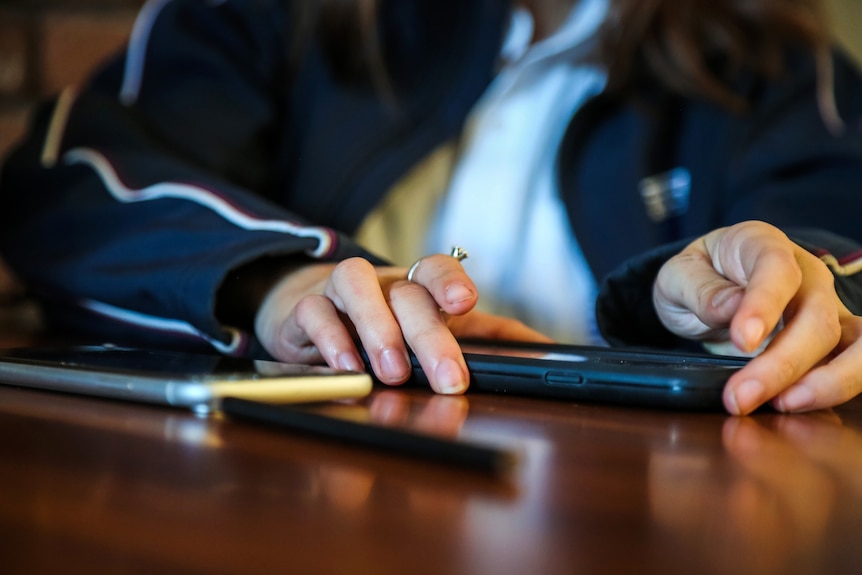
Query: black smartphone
(628, 376)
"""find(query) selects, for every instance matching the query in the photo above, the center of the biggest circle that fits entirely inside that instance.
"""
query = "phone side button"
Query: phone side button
(563, 378)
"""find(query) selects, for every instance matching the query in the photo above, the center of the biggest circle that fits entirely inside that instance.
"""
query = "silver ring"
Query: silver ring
(457, 252)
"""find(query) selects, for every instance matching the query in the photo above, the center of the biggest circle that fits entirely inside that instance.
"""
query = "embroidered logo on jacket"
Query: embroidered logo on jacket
(666, 195)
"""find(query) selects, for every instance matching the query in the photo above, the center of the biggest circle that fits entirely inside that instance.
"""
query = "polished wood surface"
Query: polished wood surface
(97, 486)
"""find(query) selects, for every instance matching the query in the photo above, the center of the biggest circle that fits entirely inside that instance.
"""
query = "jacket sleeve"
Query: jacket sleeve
(135, 195)
(626, 314)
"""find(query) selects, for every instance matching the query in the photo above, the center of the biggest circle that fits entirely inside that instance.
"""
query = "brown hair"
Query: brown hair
(691, 47)
(349, 36)
(696, 47)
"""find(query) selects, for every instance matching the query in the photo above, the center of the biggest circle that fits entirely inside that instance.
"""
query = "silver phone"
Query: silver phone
(178, 379)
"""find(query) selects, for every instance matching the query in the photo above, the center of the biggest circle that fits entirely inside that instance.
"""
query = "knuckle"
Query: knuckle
(431, 333)
(785, 369)
(437, 267)
(307, 306)
(789, 260)
(350, 268)
(828, 327)
(814, 271)
(403, 290)
(284, 349)
(821, 271)
(756, 229)
(832, 328)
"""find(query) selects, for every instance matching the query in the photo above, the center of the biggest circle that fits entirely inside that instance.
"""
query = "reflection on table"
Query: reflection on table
(93, 485)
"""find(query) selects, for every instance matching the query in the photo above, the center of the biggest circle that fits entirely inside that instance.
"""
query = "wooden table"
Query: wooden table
(95, 486)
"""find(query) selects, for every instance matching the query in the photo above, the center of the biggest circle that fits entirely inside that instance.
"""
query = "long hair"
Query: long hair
(349, 35)
(695, 48)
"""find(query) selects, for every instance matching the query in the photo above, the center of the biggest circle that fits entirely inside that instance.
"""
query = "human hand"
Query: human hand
(318, 312)
(736, 284)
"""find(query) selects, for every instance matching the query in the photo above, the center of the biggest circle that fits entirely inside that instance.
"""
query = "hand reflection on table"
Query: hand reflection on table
(351, 488)
(125, 479)
(787, 474)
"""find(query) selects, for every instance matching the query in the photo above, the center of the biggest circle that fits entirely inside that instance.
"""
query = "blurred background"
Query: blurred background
(48, 44)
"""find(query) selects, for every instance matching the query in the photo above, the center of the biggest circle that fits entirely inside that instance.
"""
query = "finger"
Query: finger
(477, 324)
(808, 336)
(315, 330)
(692, 298)
(389, 407)
(773, 286)
(445, 278)
(429, 337)
(354, 287)
(823, 438)
(760, 258)
(442, 415)
(761, 451)
(832, 383)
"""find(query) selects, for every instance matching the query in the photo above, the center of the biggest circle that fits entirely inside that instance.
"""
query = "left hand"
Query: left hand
(736, 284)
(318, 311)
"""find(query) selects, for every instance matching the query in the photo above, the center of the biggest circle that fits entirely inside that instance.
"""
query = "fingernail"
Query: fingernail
(753, 331)
(350, 362)
(456, 293)
(796, 399)
(394, 364)
(450, 377)
(747, 396)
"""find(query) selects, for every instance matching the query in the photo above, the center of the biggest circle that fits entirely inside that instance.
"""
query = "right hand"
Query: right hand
(736, 283)
(319, 311)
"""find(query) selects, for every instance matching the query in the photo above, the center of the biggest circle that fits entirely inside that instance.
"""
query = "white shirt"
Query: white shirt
(503, 203)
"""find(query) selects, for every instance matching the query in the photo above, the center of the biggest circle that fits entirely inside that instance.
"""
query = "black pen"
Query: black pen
(461, 453)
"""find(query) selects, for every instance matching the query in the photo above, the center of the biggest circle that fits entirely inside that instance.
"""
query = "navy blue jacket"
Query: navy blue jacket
(212, 142)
